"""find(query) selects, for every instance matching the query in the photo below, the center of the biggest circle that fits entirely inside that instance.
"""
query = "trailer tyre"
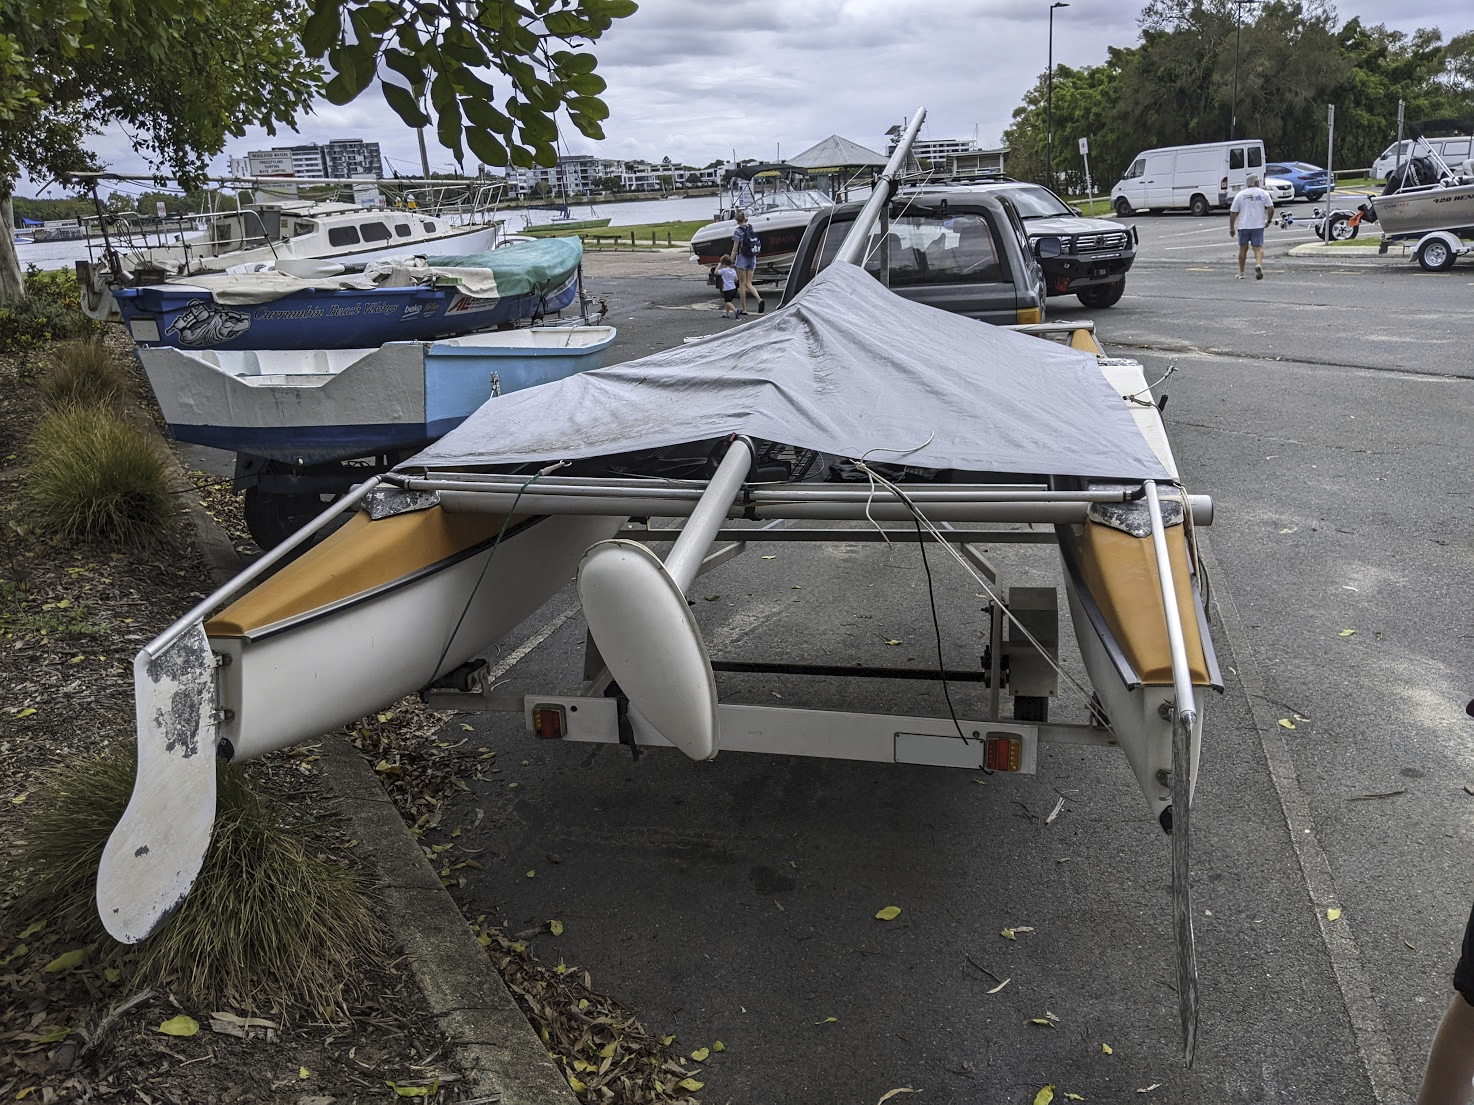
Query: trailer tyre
(272, 517)
(1199, 205)
(1341, 228)
(1123, 207)
(1435, 256)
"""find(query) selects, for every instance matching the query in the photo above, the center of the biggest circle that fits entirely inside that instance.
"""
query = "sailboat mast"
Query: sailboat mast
(852, 249)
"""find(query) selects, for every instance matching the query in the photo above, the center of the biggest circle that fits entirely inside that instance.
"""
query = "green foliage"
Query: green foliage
(431, 57)
(1276, 69)
(50, 310)
(83, 63)
(265, 923)
(94, 476)
(84, 373)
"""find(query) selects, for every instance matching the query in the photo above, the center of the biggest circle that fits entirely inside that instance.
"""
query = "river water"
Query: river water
(63, 255)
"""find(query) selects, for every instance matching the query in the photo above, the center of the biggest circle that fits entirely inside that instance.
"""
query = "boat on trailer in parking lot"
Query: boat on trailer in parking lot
(767, 432)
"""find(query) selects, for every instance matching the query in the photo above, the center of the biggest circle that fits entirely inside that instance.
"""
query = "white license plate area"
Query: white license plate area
(1013, 748)
(144, 329)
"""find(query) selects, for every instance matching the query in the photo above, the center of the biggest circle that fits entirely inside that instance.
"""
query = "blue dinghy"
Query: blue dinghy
(320, 305)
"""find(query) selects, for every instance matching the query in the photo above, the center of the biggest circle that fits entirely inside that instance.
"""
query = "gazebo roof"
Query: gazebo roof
(835, 152)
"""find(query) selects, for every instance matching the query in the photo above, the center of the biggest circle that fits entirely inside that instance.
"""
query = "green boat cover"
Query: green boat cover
(523, 267)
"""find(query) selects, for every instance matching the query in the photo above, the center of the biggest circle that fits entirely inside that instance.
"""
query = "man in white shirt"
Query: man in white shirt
(1247, 217)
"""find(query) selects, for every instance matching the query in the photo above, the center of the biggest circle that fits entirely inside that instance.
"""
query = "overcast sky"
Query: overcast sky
(698, 81)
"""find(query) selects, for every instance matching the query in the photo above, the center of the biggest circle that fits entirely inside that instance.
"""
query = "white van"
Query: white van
(1198, 178)
(1454, 151)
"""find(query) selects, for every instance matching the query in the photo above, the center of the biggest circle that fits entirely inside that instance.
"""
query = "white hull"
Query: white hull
(289, 682)
(1141, 730)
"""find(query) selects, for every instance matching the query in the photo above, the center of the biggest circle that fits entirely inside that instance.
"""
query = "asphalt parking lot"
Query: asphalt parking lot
(1326, 410)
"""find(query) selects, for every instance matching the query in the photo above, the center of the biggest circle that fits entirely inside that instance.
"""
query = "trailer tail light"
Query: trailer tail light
(1029, 316)
(549, 722)
(1005, 753)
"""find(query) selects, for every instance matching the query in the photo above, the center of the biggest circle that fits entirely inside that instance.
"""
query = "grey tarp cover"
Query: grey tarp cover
(848, 368)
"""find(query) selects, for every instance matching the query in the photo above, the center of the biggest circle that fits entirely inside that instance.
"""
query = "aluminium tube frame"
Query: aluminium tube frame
(1184, 716)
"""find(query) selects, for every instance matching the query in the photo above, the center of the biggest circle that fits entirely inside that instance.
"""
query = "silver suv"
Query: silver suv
(1083, 257)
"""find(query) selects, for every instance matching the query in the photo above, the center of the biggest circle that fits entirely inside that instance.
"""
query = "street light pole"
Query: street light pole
(1233, 107)
(1049, 102)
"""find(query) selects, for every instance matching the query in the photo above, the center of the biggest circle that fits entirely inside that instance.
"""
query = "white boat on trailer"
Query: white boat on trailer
(260, 235)
(996, 429)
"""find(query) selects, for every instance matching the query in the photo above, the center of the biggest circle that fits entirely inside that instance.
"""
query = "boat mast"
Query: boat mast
(852, 249)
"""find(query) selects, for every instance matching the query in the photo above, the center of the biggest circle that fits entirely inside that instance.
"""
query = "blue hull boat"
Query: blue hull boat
(308, 407)
(418, 300)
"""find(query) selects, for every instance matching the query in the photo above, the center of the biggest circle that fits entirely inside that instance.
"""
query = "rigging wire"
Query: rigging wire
(992, 594)
(491, 553)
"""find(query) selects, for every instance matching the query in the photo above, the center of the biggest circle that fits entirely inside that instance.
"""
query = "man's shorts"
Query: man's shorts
(1464, 972)
(745, 262)
(1253, 237)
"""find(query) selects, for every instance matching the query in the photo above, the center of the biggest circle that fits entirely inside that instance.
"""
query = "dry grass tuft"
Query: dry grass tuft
(266, 925)
(85, 373)
(93, 476)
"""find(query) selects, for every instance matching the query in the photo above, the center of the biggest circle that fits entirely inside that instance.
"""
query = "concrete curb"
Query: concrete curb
(490, 1039)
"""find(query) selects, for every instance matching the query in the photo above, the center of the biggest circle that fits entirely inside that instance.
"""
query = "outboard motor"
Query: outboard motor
(1413, 173)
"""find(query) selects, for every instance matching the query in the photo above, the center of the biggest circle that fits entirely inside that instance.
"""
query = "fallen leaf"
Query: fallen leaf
(690, 1084)
(1055, 812)
(182, 1025)
(14, 954)
(712, 598)
(1107, 1049)
(827, 1020)
(65, 962)
(1001, 985)
(1044, 1096)
(701, 1054)
(573, 1084)
(555, 927)
(387, 716)
(468, 728)
(1044, 1021)
(56, 1035)
(892, 641)
(531, 874)
(425, 1091)
(303, 1072)
(1009, 934)
(1347, 633)
(769, 556)
(719, 1046)
(27, 712)
(889, 913)
(1149, 1089)
(1075, 1096)
(892, 1093)
(1410, 947)
(1285, 723)
(1333, 914)
(112, 974)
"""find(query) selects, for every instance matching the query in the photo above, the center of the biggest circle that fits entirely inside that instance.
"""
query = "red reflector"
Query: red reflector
(547, 723)
(1004, 753)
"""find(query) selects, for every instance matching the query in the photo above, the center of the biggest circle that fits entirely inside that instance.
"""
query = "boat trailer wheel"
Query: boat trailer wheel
(272, 517)
(1435, 256)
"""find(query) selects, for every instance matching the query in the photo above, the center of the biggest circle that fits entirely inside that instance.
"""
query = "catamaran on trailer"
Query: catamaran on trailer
(848, 412)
